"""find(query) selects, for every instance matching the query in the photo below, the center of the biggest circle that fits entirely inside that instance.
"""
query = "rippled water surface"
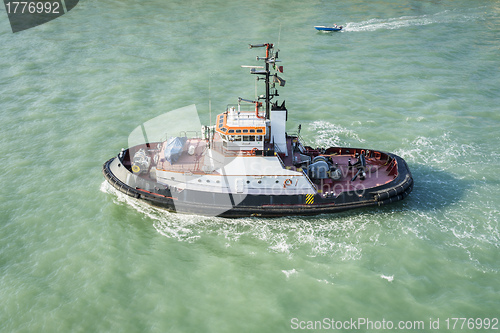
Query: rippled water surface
(418, 78)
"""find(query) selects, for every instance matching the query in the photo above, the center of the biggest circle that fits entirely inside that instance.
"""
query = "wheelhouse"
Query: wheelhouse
(241, 130)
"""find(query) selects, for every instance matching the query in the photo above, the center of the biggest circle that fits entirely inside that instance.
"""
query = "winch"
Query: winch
(141, 162)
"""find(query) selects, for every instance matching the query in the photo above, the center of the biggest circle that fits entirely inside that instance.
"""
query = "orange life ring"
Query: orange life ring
(254, 151)
(287, 182)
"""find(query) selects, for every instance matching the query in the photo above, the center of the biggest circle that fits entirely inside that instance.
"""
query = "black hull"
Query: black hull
(209, 204)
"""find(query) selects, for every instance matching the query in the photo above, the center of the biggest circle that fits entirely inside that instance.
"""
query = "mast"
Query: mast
(270, 58)
(268, 99)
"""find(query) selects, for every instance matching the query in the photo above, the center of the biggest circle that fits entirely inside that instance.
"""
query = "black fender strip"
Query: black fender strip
(118, 184)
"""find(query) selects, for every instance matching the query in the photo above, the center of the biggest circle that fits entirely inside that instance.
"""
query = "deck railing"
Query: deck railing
(277, 152)
(187, 134)
(309, 179)
(300, 141)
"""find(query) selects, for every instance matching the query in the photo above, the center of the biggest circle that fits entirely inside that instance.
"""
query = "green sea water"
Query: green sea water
(418, 78)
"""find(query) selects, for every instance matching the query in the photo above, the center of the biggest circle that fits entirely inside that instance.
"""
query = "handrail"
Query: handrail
(242, 107)
(309, 180)
(195, 135)
(277, 152)
(279, 159)
(300, 141)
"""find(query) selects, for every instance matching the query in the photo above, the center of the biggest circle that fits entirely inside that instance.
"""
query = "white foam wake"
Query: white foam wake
(411, 21)
(331, 135)
(314, 236)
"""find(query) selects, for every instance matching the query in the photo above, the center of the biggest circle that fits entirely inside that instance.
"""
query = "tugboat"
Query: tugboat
(248, 165)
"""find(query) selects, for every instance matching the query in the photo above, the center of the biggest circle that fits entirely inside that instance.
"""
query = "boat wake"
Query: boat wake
(447, 16)
(316, 236)
(450, 178)
(169, 224)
